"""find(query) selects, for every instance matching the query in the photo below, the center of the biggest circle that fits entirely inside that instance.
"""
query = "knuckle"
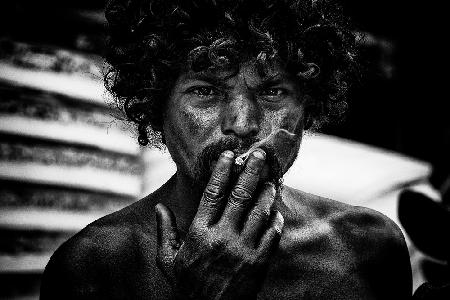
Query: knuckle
(212, 192)
(159, 257)
(216, 245)
(260, 214)
(197, 229)
(277, 231)
(246, 263)
(159, 262)
(250, 260)
(252, 169)
(203, 237)
(257, 262)
(163, 261)
(219, 245)
(280, 223)
(217, 177)
(241, 193)
(181, 264)
(269, 194)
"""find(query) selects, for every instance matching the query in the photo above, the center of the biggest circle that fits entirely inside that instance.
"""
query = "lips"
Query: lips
(207, 160)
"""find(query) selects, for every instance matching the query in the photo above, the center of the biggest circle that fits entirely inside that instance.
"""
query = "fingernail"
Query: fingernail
(259, 154)
(158, 209)
(280, 217)
(271, 188)
(228, 154)
(270, 183)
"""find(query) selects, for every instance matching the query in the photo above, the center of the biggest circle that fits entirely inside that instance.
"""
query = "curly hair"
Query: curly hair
(152, 41)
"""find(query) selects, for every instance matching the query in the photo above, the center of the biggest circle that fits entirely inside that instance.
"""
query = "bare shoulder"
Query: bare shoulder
(108, 250)
(342, 251)
(354, 224)
(108, 235)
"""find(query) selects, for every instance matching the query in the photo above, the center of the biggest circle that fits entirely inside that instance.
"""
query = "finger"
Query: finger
(271, 238)
(259, 216)
(213, 198)
(168, 241)
(241, 197)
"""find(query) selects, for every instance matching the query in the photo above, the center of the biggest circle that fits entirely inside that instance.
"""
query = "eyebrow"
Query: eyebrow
(212, 79)
(272, 80)
(207, 77)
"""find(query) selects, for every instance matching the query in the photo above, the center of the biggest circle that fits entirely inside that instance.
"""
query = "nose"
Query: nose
(241, 116)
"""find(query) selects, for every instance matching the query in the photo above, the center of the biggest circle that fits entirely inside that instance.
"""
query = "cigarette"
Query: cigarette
(241, 159)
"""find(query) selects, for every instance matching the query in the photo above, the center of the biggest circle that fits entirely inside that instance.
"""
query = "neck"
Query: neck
(184, 199)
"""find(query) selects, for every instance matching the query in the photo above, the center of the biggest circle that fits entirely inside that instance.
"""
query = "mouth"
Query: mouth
(264, 143)
(238, 169)
(273, 167)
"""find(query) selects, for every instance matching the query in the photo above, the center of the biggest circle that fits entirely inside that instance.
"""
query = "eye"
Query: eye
(203, 91)
(273, 92)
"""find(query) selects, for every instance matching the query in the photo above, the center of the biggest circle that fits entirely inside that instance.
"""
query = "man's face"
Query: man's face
(213, 111)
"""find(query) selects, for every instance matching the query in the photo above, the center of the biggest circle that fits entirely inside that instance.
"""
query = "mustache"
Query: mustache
(212, 152)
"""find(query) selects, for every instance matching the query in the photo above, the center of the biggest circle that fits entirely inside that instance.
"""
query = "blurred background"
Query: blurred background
(65, 160)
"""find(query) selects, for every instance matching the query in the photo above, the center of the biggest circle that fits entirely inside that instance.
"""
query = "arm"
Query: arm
(391, 275)
(378, 263)
(66, 276)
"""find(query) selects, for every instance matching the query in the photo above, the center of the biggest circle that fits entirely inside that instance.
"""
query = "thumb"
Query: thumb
(167, 238)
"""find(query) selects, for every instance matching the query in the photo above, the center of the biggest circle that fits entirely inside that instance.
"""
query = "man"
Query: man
(211, 80)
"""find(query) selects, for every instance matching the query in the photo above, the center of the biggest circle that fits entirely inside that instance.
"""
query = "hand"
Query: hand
(226, 250)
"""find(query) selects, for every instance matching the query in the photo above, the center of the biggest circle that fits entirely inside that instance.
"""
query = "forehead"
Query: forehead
(249, 72)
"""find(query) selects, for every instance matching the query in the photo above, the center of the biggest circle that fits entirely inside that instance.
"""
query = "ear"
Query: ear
(163, 137)
(161, 129)
(311, 71)
(308, 119)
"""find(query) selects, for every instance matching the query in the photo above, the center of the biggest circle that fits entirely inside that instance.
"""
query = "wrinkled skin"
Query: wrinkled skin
(230, 237)
(225, 253)
(221, 256)
(209, 108)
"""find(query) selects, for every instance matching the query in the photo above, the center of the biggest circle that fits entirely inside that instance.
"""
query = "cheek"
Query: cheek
(186, 131)
(295, 120)
(290, 118)
(198, 121)
(189, 127)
